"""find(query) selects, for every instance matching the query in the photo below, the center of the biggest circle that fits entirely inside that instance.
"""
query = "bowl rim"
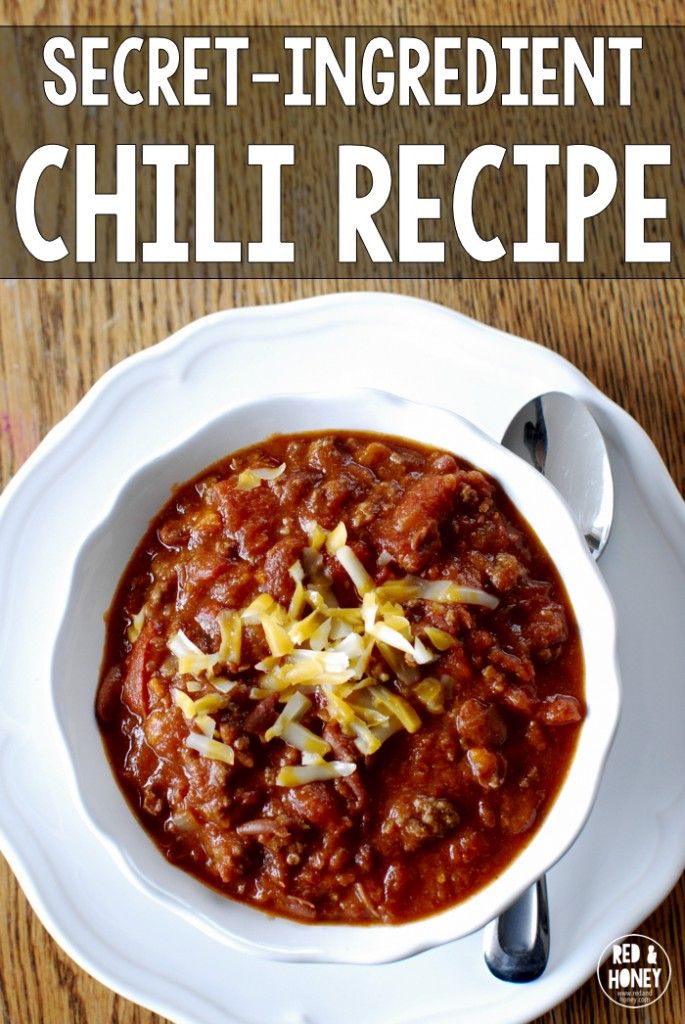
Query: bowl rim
(414, 941)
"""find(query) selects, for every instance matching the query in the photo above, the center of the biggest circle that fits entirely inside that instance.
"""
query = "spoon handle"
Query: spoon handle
(517, 942)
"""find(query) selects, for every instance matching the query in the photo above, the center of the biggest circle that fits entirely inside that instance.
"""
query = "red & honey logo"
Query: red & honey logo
(634, 971)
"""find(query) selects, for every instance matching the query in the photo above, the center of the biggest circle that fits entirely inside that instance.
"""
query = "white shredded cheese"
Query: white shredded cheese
(247, 480)
(308, 758)
(207, 747)
(206, 724)
(340, 629)
(292, 712)
(431, 693)
(133, 631)
(268, 472)
(262, 604)
(351, 645)
(320, 637)
(397, 706)
(369, 610)
(387, 635)
(231, 627)
(191, 660)
(184, 702)
(299, 632)
(224, 685)
(329, 661)
(354, 568)
(210, 703)
(451, 593)
(441, 640)
(336, 538)
(297, 735)
(276, 636)
(296, 573)
(301, 774)
(422, 656)
(412, 588)
(317, 536)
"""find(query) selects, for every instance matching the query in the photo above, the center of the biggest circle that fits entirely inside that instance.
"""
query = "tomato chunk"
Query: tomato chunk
(140, 666)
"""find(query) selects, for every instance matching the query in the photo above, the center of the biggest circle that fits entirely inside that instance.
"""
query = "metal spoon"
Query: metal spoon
(557, 435)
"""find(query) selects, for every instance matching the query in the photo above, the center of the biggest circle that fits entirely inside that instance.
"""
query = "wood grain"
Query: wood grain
(57, 338)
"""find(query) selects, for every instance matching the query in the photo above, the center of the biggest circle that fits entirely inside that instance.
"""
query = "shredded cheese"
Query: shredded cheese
(329, 661)
(231, 628)
(301, 774)
(184, 702)
(210, 703)
(252, 477)
(295, 674)
(194, 662)
(191, 660)
(317, 536)
(398, 664)
(441, 640)
(292, 712)
(397, 706)
(301, 631)
(215, 750)
(336, 538)
(269, 472)
(318, 648)
(431, 693)
(422, 656)
(354, 568)
(340, 629)
(308, 758)
(299, 736)
(259, 692)
(369, 610)
(320, 637)
(133, 631)
(247, 480)
(266, 664)
(412, 588)
(206, 724)
(451, 593)
(224, 685)
(276, 637)
(392, 637)
(343, 713)
(297, 601)
(260, 606)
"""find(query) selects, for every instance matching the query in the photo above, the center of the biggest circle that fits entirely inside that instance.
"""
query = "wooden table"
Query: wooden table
(57, 338)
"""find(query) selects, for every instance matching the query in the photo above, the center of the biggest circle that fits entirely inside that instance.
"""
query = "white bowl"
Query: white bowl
(78, 653)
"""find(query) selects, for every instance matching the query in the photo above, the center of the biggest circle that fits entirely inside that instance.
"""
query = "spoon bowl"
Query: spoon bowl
(557, 435)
